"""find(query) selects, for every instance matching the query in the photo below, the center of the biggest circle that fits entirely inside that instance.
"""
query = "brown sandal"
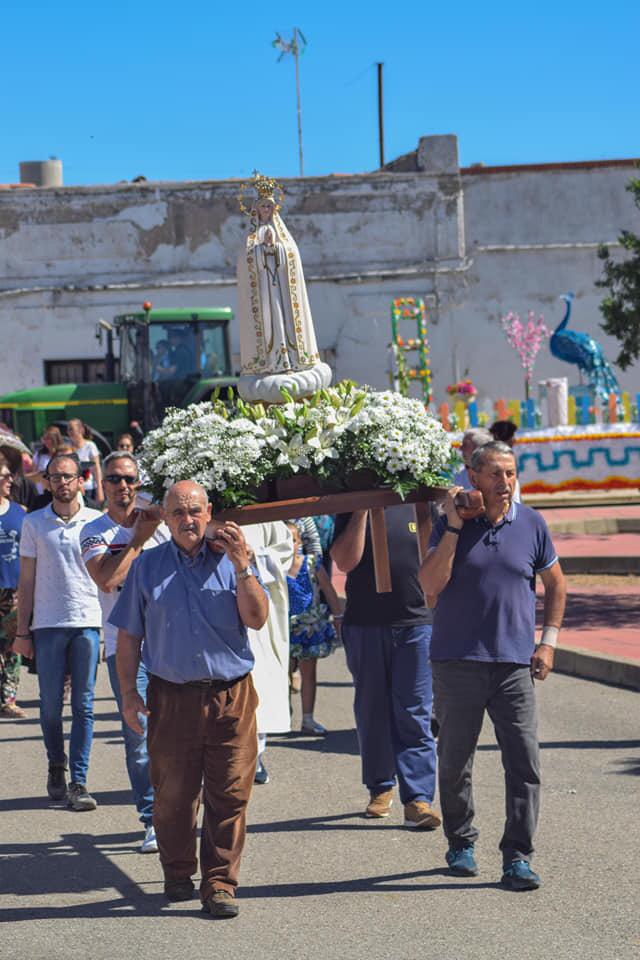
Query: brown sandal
(13, 711)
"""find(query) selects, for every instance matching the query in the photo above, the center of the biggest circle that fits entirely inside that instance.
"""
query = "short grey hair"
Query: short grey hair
(478, 436)
(496, 447)
(120, 455)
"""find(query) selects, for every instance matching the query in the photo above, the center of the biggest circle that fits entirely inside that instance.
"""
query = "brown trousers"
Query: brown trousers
(196, 733)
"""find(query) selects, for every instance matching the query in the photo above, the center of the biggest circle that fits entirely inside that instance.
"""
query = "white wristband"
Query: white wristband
(550, 636)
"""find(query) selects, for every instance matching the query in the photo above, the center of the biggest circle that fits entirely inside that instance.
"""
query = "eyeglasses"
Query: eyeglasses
(117, 477)
(6, 476)
(62, 477)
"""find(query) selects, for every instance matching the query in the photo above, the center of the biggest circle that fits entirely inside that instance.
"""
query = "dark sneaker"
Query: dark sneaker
(221, 904)
(518, 875)
(57, 781)
(79, 798)
(178, 890)
(261, 775)
(461, 861)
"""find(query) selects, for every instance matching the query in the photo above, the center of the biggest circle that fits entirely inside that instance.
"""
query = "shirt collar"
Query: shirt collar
(509, 517)
(190, 561)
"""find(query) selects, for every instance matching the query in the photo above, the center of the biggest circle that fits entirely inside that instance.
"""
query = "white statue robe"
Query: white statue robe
(273, 547)
(274, 317)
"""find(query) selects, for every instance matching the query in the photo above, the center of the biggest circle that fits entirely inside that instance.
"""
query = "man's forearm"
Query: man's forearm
(435, 571)
(112, 571)
(25, 601)
(555, 597)
(348, 547)
(253, 604)
(127, 661)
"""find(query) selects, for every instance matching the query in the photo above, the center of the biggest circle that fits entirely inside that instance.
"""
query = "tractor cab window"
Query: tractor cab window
(174, 351)
(213, 358)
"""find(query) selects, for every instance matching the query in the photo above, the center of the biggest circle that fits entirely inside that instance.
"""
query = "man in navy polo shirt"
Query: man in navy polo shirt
(483, 655)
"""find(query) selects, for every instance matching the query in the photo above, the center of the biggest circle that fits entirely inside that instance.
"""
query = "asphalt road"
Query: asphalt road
(320, 881)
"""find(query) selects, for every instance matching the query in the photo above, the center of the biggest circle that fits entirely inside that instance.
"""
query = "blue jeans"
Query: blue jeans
(393, 697)
(81, 647)
(135, 745)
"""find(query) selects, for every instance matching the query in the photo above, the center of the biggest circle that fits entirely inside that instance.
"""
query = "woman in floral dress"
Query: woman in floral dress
(312, 627)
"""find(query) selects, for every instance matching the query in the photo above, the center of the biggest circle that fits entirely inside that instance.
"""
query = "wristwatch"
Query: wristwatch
(451, 529)
(244, 574)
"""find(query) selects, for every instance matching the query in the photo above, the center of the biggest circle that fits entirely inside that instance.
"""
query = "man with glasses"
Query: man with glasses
(109, 545)
(59, 618)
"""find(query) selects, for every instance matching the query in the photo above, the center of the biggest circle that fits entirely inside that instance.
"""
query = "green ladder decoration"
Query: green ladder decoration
(402, 374)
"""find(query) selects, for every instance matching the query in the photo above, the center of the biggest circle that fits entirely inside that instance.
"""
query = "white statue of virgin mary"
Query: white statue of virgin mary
(277, 341)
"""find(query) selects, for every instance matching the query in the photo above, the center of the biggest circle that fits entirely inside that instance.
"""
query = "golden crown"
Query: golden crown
(266, 188)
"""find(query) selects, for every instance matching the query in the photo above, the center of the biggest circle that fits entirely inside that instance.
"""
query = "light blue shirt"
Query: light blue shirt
(186, 609)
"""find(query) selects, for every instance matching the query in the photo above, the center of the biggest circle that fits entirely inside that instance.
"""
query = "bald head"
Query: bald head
(187, 512)
(185, 488)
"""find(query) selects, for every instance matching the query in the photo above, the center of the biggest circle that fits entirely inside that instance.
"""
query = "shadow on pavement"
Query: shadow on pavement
(387, 883)
(76, 864)
(326, 824)
(113, 798)
(336, 741)
(577, 745)
(630, 766)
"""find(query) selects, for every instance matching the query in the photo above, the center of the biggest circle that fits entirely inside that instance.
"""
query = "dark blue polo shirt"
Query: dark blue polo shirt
(487, 610)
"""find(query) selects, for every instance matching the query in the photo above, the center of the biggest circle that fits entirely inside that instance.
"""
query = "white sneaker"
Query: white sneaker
(313, 728)
(149, 844)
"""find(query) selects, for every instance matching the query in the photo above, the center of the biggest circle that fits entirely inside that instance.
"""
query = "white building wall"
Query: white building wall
(474, 246)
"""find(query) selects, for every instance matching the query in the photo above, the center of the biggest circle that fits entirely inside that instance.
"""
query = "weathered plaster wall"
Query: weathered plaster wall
(474, 246)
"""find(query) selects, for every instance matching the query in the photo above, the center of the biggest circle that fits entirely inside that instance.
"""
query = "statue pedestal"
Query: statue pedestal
(300, 383)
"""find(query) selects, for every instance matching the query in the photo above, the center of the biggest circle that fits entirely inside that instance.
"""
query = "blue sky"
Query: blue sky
(193, 90)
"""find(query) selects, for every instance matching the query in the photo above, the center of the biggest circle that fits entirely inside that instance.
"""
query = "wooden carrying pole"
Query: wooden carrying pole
(373, 500)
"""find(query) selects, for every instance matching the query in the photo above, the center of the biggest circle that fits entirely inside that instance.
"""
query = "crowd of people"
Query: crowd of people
(210, 629)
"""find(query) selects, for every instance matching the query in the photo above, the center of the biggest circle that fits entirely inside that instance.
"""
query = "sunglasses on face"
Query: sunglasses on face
(6, 476)
(115, 478)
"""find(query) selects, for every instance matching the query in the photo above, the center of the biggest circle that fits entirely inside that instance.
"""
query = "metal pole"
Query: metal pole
(380, 114)
(296, 54)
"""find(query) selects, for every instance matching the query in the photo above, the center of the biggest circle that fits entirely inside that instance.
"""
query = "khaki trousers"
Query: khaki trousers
(196, 733)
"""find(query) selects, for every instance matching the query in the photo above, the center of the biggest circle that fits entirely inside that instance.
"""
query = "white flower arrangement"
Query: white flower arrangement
(233, 449)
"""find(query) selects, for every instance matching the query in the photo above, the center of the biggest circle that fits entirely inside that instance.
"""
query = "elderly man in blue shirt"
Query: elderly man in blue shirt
(483, 572)
(192, 599)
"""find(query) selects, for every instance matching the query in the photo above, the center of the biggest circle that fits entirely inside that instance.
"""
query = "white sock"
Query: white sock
(262, 743)
(307, 718)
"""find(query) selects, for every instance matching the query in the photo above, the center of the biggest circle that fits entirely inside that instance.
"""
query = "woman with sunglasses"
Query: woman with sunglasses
(11, 517)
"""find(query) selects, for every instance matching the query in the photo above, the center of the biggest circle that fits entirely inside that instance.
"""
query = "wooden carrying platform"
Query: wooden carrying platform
(373, 500)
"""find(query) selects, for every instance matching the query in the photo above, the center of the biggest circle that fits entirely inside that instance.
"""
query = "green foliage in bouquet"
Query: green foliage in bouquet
(335, 436)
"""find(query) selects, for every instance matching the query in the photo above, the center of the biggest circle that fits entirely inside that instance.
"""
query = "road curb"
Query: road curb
(613, 566)
(589, 665)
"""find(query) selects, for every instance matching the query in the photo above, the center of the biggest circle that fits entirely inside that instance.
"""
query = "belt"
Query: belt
(211, 682)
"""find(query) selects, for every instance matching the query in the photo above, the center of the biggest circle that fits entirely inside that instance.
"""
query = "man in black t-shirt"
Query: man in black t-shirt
(386, 639)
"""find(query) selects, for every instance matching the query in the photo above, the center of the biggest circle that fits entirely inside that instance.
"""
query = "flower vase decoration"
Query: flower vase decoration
(526, 339)
(337, 437)
(461, 394)
(463, 390)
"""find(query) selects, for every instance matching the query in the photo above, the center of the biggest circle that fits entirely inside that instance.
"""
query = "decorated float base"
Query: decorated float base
(333, 503)
(592, 458)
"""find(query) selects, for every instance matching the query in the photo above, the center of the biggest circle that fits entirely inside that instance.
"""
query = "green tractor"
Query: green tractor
(166, 358)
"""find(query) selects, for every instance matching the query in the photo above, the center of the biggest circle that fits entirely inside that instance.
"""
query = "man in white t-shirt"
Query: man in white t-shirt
(56, 590)
(109, 546)
(87, 452)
